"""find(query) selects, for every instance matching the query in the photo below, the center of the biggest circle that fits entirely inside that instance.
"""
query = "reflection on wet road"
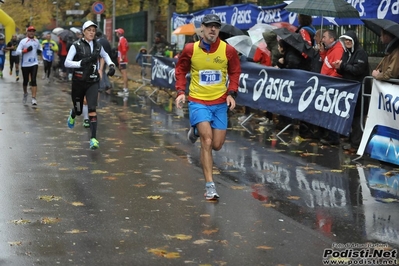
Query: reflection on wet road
(318, 186)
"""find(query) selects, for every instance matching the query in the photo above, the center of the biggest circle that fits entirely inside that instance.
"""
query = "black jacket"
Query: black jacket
(355, 63)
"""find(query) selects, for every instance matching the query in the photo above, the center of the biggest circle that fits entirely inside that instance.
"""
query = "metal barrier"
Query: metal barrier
(366, 93)
(146, 75)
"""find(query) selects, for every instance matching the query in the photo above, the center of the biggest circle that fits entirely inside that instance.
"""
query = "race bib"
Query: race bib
(13, 53)
(210, 77)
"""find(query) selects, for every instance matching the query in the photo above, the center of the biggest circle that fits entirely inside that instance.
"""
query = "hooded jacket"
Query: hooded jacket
(355, 63)
(272, 44)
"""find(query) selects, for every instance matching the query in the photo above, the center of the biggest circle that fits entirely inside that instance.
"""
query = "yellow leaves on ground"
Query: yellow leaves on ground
(77, 204)
(170, 160)
(210, 231)
(112, 178)
(15, 243)
(110, 160)
(75, 231)
(389, 200)
(99, 172)
(141, 149)
(237, 187)
(163, 253)
(157, 197)
(185, 198)
(139, 185)
(50, 198)
(264, 247)
(269, 205)
(50, 220)
(216, 172)
(179, 237)
(202, 241)
(293, 197)
(20, 221)
(336, 171)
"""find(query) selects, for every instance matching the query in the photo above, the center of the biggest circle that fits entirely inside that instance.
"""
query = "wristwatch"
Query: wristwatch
(232, 94)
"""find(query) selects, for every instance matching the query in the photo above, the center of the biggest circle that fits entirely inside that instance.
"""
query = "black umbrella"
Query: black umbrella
(66, 34)
(295, 40)
(231, 30)
(376, 24)
(323, 8)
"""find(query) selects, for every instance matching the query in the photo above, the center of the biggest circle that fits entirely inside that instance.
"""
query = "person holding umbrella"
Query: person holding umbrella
(388, 68)
(209, 62)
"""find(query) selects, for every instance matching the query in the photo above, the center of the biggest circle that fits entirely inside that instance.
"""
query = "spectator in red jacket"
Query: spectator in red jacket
(123, 48)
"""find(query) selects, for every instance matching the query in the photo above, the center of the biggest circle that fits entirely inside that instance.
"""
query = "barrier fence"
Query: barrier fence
(320, 100)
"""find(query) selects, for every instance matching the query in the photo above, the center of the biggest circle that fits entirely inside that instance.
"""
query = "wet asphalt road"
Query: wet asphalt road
(138, 200)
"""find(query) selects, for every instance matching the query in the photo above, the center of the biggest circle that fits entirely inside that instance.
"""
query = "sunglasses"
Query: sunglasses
(216, 26)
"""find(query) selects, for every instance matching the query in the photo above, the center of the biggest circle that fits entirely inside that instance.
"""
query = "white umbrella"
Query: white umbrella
(256, 31)
(242, 43)
(57, 30)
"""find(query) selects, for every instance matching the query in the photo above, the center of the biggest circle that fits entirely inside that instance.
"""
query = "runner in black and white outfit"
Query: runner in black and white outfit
(28, 48)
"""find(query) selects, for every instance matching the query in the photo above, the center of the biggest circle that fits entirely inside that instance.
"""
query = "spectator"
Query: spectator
(159, 45)
(140, 59)
(62, 53)
(388, 68)
(292, 59)
(272, 45)
(354, 66)
(105, 84)
(123, 48)
(331, 50)
(306, 29)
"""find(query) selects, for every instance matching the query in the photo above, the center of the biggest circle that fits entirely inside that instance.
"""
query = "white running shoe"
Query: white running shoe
(34, 102)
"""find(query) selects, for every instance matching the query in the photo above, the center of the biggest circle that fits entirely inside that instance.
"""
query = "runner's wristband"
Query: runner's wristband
(232, 94)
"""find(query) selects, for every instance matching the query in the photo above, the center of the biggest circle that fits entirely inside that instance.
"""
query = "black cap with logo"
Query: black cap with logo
(211, 18)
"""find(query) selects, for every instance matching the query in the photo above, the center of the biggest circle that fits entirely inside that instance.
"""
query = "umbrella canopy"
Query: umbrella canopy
(242, 43)
(66, 34)
(57, 30)
(256, 31)
(186, 29)
(376, 24)
(231, 30)
(295, 40)
(259, 53)
(287, 25)
(326, 8)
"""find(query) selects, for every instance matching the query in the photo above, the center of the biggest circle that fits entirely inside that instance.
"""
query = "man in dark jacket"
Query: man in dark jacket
(104, 82)
(354, 65)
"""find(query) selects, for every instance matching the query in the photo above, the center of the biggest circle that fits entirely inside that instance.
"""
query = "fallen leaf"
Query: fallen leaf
(201, 241)
(237, 187)
(75, 231)
(264, 247)
(210, 231)
(81, 168)
(77, 204)
(139, 185)
(269, 205)
(110, 160)
(336, 171)
(50, 220)
(293, 197)
(20, 221)
(50, 198)
(389, 200)
(15, 243)
(154, 197)
(172, 255)
(112, 178)
(179, 237)
(96, 172)
(170, 160)
(185, 199)
(205, 215)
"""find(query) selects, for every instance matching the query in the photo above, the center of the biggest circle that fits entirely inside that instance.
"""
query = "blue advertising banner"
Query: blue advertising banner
(244, 16)
(311, 97)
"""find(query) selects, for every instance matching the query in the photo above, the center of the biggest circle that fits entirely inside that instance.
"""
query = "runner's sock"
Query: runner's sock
(93, 126)
(85, 112)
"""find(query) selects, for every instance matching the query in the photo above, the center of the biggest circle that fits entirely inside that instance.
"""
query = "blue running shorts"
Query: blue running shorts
(215, 114)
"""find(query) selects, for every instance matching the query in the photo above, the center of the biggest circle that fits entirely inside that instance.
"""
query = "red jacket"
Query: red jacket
(123, 47)
(183, 67)
(329, 56)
